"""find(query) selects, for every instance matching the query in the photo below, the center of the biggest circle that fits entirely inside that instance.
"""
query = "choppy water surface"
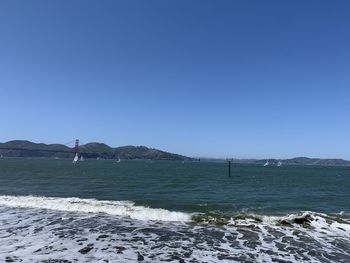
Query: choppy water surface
(104, 211)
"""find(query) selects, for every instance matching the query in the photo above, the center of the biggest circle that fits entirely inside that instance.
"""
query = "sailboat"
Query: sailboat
(118, 160)
(279, 163)
(267, 163)
(76, 157)
(81, 158)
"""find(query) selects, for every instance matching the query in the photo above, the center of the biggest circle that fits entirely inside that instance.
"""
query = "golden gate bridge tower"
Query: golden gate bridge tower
(76, 150)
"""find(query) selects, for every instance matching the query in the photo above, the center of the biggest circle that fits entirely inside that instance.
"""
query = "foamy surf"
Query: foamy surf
(74, 204)
(46, 235)
(329, 227)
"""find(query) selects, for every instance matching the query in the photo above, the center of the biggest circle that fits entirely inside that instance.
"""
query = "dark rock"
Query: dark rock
(285, 222)
(140, 257)
(9, 259)
(305, 220)
(120, 249)
(187, 254)
(101, 237)
(85, 249)
(56, 261)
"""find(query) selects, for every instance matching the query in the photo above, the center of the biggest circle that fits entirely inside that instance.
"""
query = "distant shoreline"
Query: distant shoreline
(95, 150)
(258, 162)
(290, 161)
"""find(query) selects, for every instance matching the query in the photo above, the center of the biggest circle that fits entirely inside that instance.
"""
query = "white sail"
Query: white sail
(267, 163)
(279, 163)
(118, 160)
(81, 158)
(76, 157)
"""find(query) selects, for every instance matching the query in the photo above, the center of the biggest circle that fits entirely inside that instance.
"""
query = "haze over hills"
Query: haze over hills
(23, 148)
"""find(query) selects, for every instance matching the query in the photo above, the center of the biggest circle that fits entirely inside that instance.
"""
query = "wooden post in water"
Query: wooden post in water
(229, 161)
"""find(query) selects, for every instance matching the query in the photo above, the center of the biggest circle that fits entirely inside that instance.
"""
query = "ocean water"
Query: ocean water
(163, 211)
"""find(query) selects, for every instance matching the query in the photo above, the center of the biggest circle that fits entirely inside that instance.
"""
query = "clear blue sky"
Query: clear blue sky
(201, 78)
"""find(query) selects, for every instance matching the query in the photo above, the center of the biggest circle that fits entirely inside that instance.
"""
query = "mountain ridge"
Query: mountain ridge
(25, 148)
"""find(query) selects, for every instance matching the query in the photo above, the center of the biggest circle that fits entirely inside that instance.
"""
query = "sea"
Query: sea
(54, 211)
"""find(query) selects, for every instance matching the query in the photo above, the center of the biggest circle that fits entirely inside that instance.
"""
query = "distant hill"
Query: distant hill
(292, 161)
(22, 148)
(304, 161)
(316, 161)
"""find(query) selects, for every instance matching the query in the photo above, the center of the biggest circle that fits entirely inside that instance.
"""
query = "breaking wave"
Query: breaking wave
(43, 229)
(339, 223)
(74, 204)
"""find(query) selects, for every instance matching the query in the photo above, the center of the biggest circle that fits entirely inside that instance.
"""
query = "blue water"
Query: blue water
(183, 186)
(157, 211)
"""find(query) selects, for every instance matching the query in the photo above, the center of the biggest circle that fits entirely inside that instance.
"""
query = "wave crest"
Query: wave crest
(74, 204)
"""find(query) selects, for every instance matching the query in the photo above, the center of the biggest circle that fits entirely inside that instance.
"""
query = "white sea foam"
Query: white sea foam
(318, 222)
(40, 229)
(73, 204)
(39, 235)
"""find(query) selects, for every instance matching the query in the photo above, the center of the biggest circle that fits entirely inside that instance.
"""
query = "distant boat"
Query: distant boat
(76, 158)
(81, 158)
(118, 161)
(279, 163)
(267, 163)
(1, 156)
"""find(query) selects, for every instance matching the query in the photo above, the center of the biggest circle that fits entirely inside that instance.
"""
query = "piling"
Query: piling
(229, 162)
